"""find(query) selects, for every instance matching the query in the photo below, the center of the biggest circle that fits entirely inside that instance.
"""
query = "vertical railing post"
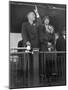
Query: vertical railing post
(36, 65)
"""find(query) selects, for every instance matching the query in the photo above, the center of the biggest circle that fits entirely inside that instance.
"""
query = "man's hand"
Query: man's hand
(49, 49)
(28, 48)
(36, 11)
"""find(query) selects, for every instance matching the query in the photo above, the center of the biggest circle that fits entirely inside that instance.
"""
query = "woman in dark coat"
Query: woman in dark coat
(46, 35)
(47, 43)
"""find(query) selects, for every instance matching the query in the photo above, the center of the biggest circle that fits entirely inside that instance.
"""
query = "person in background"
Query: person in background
(61, 56)
(61, 42)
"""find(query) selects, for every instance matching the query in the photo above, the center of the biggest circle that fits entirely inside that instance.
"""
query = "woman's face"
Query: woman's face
(46, 21)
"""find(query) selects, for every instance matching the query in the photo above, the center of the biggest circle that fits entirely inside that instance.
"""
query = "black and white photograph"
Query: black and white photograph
(37, 44)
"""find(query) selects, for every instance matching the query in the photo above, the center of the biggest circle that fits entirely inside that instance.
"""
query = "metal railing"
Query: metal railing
(37, 65)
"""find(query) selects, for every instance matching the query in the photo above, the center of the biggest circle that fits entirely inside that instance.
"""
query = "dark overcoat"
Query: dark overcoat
(30, 33)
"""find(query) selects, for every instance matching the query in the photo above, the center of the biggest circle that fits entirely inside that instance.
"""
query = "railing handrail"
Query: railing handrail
(18, 48)
(23, 52)
(22, 48)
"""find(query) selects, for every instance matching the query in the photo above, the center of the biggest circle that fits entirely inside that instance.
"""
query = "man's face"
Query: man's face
(31, 16)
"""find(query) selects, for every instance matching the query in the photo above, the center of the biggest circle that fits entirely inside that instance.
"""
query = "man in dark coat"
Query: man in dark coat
(30, 29)
(30, 34)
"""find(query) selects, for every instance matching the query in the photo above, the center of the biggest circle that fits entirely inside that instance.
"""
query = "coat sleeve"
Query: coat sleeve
(24, 34)
(39, 21)
(43, 37)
